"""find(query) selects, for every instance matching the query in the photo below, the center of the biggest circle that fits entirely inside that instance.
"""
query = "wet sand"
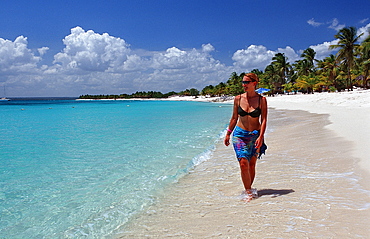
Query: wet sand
(308, 182)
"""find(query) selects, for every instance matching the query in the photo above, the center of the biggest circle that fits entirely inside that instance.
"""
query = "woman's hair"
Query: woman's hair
(252, 76)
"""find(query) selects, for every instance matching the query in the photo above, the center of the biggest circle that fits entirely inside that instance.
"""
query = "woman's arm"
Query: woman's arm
(260, 139)
(233, 121)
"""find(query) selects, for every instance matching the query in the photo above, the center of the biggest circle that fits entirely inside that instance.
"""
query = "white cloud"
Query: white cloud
(173, 58)
(87, 52)
(15, 57)
(258, 57)
(93, 63)
(364, 20)
(207, 47)
(177, 69)
(177, 59)
(312, 22)
(133, 63)
(90, 51)
(42, 51)
(365, 30)
(254, 57)
(290, 53)
(334, 24)
(322, 50)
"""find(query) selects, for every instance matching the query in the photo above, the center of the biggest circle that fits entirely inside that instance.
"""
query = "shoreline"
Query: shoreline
(348, 112)
(306, 189)
(312, 182)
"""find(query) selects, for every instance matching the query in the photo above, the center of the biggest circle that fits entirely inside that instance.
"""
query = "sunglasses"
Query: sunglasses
(247, 82)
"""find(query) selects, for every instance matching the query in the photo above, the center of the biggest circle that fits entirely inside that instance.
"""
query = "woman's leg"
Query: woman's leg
(245, 171)
(252, 169)
(248, 172)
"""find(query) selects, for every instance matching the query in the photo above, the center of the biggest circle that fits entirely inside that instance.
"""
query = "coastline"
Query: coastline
(310, 183)
(307, 189)
(348, 113)
(226, 99)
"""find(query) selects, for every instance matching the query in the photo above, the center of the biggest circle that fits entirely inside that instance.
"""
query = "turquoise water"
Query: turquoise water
(79, 169)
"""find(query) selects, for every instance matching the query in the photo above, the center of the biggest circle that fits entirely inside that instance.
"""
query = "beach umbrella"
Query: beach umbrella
(262, 90)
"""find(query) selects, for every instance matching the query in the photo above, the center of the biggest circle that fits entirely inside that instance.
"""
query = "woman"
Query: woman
(248, 122)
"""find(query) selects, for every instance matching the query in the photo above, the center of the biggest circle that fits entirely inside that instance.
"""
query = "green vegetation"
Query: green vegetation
(143, 94)
(349, 67)
(138, 94)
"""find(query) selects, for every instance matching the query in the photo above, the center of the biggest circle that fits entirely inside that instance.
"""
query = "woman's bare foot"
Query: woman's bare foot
(248, 196)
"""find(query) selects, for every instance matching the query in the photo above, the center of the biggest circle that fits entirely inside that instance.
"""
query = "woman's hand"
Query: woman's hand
(259, 142)
(227, 140)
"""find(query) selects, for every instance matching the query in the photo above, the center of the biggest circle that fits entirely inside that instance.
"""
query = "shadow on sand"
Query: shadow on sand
(274, 192)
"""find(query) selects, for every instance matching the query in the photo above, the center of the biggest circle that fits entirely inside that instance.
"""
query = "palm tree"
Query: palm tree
(346, 54)
(364, 52)
(234, 84)
(309, 56)
(273, 78)
(303, 67)
(208, 90)
(220, 89)
(233, 78)
(257, 72)
(342, 78)
(194, 92)
(289, 87)
(308, 83)
(283, 67)
(329, 66)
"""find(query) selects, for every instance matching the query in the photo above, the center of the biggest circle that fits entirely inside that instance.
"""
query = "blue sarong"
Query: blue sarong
(243, 142)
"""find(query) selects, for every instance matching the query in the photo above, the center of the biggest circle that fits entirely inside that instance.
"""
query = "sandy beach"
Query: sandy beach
(311, 182)
(348, 112)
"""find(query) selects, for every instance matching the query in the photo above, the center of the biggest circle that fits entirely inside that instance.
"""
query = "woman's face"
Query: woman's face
(248, 84)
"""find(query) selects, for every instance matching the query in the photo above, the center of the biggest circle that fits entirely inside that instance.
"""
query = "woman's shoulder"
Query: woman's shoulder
(236, 98)
(263, 100)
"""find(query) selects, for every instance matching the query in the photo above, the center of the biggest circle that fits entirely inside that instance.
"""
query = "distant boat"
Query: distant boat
(4, 98)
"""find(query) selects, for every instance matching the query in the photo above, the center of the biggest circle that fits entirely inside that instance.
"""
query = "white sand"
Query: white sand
(349, 113)
(308, 188)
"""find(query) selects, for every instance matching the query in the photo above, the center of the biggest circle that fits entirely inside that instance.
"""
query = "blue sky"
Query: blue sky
(69, 48)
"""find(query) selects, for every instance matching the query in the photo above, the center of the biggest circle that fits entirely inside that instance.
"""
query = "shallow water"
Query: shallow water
(74, 169)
